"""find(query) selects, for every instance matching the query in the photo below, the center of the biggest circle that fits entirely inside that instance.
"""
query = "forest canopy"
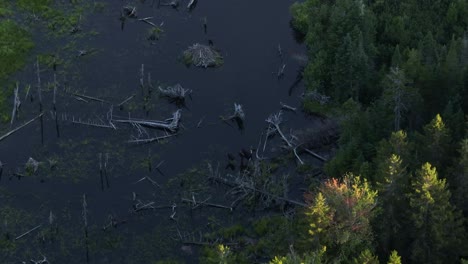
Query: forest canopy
(396, 73)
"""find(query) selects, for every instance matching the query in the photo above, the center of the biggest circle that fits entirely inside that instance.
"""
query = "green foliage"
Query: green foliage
(315, 257)
(435, 143)
(34, 5)
(438, 225)
(366, 257)
(394, 258)
(340, 217)
(14, 46)
(220, 254)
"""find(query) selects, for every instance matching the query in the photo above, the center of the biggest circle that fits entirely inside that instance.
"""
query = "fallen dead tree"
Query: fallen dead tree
(100, 123)
(171, 3)
(292, 142)
(202, 56)
(244, 185)
(129, 11)
(150, 140)
(20, 127)
(238, 116)
(197, 203)
(171, 124)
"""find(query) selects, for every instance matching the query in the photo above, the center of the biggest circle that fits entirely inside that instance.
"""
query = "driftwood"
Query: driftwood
(149, 140)
(172, 3)
(287, 107)
(20, 127)
(89, 98)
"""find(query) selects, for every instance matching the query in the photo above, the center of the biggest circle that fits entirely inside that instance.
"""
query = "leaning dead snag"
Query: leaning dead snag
(16, 105)
(89, 98)
(202, 56)
(39, 93)
(101, 172)
(85, 223)
(191, 4)
(129, 11)
(238, 116)
(142, 79)
(126, 100)
(54, 106)
(274, 121)
(147, 21)
(106, 161)
(20, 127)
(281, 71)
(28, 232)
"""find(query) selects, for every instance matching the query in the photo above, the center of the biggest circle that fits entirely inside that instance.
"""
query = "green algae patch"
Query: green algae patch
(34, 5)
(15, 43)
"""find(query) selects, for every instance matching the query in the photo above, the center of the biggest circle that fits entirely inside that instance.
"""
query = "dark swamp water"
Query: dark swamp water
(247, 33)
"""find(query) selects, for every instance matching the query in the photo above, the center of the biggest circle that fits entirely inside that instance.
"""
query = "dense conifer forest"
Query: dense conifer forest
(395, 74)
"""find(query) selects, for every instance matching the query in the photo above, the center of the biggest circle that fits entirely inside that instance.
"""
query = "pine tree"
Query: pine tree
(366, 257)
(435, 143)
(390, 222)
(438, 228)
(340, 217)
(394, 258)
